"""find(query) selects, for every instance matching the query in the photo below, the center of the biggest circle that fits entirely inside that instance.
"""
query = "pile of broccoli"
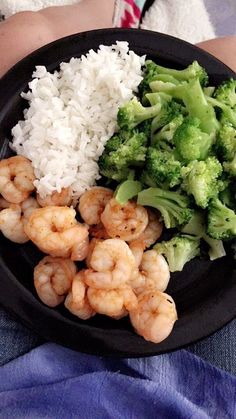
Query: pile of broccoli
(177, 139)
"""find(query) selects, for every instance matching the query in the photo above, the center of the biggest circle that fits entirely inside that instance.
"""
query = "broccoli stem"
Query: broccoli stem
(173, 206)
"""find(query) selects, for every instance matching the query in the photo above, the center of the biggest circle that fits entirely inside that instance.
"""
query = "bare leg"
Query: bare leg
(27, 31)
(222, 48)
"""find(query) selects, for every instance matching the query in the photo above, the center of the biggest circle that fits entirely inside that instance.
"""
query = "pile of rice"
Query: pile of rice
(72, 113)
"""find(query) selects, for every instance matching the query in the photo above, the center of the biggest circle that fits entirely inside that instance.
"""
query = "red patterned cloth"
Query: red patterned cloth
(128, 13)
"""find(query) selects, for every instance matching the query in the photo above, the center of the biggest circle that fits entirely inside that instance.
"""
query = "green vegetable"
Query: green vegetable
(230, 167)
(196, 226)
(163, 168)
(192, 143)
(226, 142)
(173, 206)
(226, 93)
(127, 190)
(221, 221)
(164, 138)
(123, 151)
(201, 179)
(195, 101)
(179, 250)
(168, 112)
(133, 113)
(228, 114)
(154, 71)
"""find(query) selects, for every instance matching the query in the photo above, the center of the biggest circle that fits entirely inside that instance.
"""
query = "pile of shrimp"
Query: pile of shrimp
(121, 275)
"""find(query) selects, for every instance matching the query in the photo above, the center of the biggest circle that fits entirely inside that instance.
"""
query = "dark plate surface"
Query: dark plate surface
(204, 292)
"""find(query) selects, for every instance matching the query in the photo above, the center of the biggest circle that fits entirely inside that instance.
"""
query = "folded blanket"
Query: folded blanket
(55, 382)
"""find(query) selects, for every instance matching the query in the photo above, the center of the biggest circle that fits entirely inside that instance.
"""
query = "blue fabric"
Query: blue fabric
(55, 382)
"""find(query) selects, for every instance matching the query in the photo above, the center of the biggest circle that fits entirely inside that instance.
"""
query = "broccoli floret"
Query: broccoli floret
(228, 196)
(107, 169)
(133, 113)
(154, 71)
(150, 72)
(196, 226)
(163, 168)
(168, 112)
(116, 163)
(195, 101)
(113, 143)
(173, 206)
(200, 179)
(179, 250)
(221, 221)
(226, 93)
(230, 167)
(147, 180)
(226, 142)
(164, 138)
(228, 114)
(192, 143)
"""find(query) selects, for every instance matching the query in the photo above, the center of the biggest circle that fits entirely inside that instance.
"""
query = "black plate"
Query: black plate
(204, 291)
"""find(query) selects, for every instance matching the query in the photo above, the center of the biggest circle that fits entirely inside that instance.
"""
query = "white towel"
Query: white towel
(185, 19)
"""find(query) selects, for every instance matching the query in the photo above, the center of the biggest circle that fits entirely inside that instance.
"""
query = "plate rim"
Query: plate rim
(6, 79)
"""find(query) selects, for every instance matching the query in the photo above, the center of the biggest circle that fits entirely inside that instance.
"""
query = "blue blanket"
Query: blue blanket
(55, 382)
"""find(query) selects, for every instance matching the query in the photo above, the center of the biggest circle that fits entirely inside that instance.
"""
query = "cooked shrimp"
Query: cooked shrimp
(4, 204)
(55, 231)
(92, 245)
(27, 207)
(16, 179)
(60, 199)
(153, 273)
(92, 204)
(53, 278)
(155, 315)
(151, 233)
(76, 301)
(14, 218)
(126, 222)
(98, 231)
(11, 224)
(113, 303)
(111, 264)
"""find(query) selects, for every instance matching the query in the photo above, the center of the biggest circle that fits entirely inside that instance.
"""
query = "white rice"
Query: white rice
(71, 115)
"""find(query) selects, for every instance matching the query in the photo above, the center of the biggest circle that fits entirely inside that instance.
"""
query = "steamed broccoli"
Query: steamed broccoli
(133, 113)
(192, 143)
(173, 206)
(195, 101)
(162, 167)
(156, 72)
(230, 167)
(228, 195)
(228, 114)
(179, 250)
(164, 138)
(119, 156)
(226, 142)
(168, 112)
(196, 226)
(226, 93)
(221, 221)
(201, 179)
